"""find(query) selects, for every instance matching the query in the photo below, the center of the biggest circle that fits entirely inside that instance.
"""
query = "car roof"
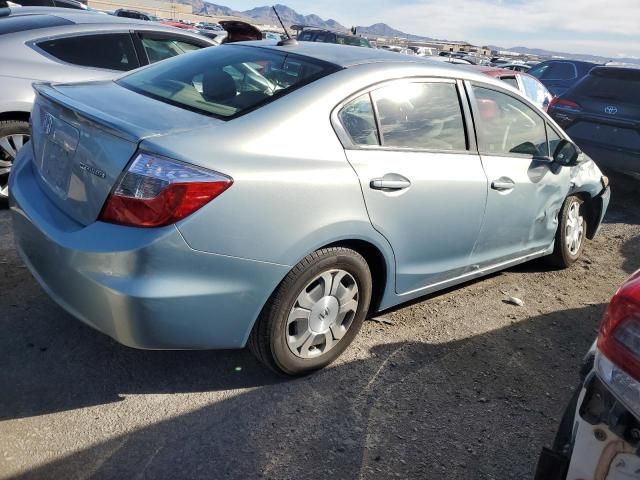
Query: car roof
(341, 55)
(76, 16)
(69, 21)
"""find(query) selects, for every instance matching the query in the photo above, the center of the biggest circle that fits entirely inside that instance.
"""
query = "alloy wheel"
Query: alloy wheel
(574, 229)
(322, 314)
(9, 146)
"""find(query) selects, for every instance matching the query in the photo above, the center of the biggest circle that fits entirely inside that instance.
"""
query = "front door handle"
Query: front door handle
(503, 184)
(395, 182)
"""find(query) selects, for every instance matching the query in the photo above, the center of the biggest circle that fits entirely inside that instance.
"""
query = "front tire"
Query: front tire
(571, 234)
(315, 313)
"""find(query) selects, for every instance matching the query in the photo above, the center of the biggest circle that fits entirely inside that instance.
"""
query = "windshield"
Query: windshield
(228, 80)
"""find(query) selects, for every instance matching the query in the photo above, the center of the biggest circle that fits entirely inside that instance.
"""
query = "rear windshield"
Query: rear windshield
(226, 81)
(21, 23)
(611, 84)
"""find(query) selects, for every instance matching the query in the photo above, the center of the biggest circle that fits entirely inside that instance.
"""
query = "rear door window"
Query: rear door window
(420, 116)
(507, 126)
(158, 49)
(359, 121)
(112, 51)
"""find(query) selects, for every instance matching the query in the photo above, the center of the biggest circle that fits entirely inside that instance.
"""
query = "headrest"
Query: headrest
(488, 109)
(218, 86)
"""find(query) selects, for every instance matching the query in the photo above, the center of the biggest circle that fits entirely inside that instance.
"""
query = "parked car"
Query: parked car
(516, 67)
(244, 194)
(135, 14)
(313, 34)
(528, 85)
(238, 31)
(452, 60)
(560, 75)
(60, 45)
(598, 437)
(75, 4)
(602, 114)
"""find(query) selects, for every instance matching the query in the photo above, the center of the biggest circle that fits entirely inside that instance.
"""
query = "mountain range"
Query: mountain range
(265, 15)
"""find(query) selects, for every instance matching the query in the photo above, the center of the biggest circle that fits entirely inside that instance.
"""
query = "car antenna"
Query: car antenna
(289, 41)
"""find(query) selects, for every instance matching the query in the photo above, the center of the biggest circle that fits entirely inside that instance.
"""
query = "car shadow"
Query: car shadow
(474, 408)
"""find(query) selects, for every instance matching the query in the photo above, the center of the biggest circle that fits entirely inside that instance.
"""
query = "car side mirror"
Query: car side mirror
(566, 154)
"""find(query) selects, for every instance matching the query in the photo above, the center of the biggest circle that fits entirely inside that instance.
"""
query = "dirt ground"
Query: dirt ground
(460, 385)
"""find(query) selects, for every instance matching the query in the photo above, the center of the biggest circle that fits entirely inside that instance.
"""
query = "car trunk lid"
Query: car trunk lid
(84, 136)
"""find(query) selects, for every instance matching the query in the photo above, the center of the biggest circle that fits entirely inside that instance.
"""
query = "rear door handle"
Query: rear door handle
(397, 183)
(503, 184)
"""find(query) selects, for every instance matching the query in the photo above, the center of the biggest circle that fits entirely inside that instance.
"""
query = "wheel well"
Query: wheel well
(593, 207)
(376, 263)
(22, 116)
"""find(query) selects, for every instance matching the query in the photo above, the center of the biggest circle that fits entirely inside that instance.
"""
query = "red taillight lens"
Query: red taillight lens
(561, 102)
(619, 337)
(157, 191)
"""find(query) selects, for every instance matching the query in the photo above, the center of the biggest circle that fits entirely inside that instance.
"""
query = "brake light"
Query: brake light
(157, 191)
(561, 102)
(619, 337)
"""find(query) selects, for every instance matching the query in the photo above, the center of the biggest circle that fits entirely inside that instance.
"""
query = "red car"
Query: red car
(527, 84)
(599, 436)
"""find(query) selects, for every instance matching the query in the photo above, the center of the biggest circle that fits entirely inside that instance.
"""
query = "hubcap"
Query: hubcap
(322, 314)
(574, 231)
(9, 146)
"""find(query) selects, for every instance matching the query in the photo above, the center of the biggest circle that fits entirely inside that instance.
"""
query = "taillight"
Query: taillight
(617, 361)
(561, 102)
(157, 191)
(619, 337)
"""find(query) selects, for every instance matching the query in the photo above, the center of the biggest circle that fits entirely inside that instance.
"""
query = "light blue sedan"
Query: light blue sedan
(277, 195)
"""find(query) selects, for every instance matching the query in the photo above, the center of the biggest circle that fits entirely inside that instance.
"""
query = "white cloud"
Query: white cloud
(486, 21)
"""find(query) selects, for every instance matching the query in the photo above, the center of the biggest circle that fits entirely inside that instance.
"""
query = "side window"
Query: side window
(158, 49)
(507, 126)
(559, 71)
(359, 122)
(420, 116)
(554, 139)
(113, 51)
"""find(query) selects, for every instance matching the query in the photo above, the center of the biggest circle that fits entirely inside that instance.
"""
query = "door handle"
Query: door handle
(503, 184)
(389, 183)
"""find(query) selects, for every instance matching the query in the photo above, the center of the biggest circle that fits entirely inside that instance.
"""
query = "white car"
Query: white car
(599, 435)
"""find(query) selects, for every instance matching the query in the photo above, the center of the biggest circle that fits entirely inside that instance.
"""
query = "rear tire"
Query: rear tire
(571, 234)
(13, 135)
(315, 313)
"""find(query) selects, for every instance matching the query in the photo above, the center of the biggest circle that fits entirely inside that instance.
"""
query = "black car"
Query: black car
(560, 75)
(135, 14)
(601, 113)
(329, 36)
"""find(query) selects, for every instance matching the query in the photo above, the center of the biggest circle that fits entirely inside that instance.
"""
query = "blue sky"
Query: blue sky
(609, 28)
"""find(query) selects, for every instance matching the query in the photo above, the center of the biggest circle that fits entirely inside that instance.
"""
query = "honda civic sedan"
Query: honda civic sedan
(277, 195)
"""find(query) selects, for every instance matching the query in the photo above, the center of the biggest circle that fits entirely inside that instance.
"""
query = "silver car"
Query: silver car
(277, 195)
(62, 45)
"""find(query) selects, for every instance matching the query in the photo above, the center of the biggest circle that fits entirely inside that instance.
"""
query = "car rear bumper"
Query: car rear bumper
(146, 288)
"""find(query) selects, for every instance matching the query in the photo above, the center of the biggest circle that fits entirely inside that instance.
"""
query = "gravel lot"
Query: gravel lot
(459, 385)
